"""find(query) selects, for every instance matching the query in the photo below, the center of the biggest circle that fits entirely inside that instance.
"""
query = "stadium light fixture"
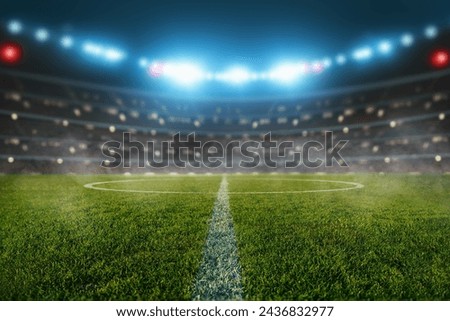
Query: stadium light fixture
(143, 62)
(385, 47)
(10, 53)
(327, 62)
(92, 49)
(341, 59)
(286, 73)
(186, 74)
(66, 42)
(109, 54)
(407, 40)
(317, 67)
(112, 54)
(41, 35)
(15, 27)
(431, 32)
(363, 53)
(236, 75)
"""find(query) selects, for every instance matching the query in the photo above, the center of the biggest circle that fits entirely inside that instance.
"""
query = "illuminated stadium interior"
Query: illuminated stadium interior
(294, 154)
(396, 119)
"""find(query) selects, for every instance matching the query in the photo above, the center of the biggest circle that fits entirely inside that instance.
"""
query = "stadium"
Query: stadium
(130, 176)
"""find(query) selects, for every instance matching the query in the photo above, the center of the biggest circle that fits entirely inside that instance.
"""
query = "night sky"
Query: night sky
(252, 32)
(232, 28)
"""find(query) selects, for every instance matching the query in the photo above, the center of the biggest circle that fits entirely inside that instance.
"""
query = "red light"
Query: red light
(10, 53)
(440, 58)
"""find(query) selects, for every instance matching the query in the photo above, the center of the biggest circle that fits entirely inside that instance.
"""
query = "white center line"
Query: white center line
(219, 275)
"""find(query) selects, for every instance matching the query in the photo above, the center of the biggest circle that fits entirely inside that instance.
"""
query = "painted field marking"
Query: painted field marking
(349, 186)
(219, 277)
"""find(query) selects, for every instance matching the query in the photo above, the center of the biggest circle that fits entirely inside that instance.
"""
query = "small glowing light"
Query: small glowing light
(143, 62)
(407, 40)
(363, 53)
(341, 59)
(41, 35)
(14, 116)
(345, 130)
(438, 158)
(72, 150)
(60, 161)
(156, 69)
(112, 129)
(317, 67)
(92, 49)
(393, 124)
(114, 54)
(65, 123)
(340, 118)
(15, 27)
(327, 62)
(67, 41)
(10, 53)
(387, 160)
(385, 47)
(441, 116)
(10, 160)
(110, 54)
(431, 32)
(440, 58)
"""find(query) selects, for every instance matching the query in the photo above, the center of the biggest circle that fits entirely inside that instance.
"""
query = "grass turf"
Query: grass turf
(60, 241)
(387, 241)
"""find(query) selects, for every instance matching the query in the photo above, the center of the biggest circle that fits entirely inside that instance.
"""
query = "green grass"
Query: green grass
(60, 241)
(387, 241)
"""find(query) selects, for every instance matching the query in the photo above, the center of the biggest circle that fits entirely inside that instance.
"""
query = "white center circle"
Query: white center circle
(100, 186)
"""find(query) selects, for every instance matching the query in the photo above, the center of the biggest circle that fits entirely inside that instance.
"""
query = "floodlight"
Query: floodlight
(41, 35)
(327, 62)
(236, 75)
(385, 47)
(407, 40)
(184, 73)
(431, 32)
(112, 54)
(92, 49)
(363, 53)
(341, 59)
(286, 73)
(67, 41)
(14, 27)
(109, 54)
(143, 62)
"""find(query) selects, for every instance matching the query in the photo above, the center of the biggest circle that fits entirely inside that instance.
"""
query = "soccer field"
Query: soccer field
(272, 237)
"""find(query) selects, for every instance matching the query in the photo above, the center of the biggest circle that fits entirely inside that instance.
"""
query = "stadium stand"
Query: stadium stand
(52, 125)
